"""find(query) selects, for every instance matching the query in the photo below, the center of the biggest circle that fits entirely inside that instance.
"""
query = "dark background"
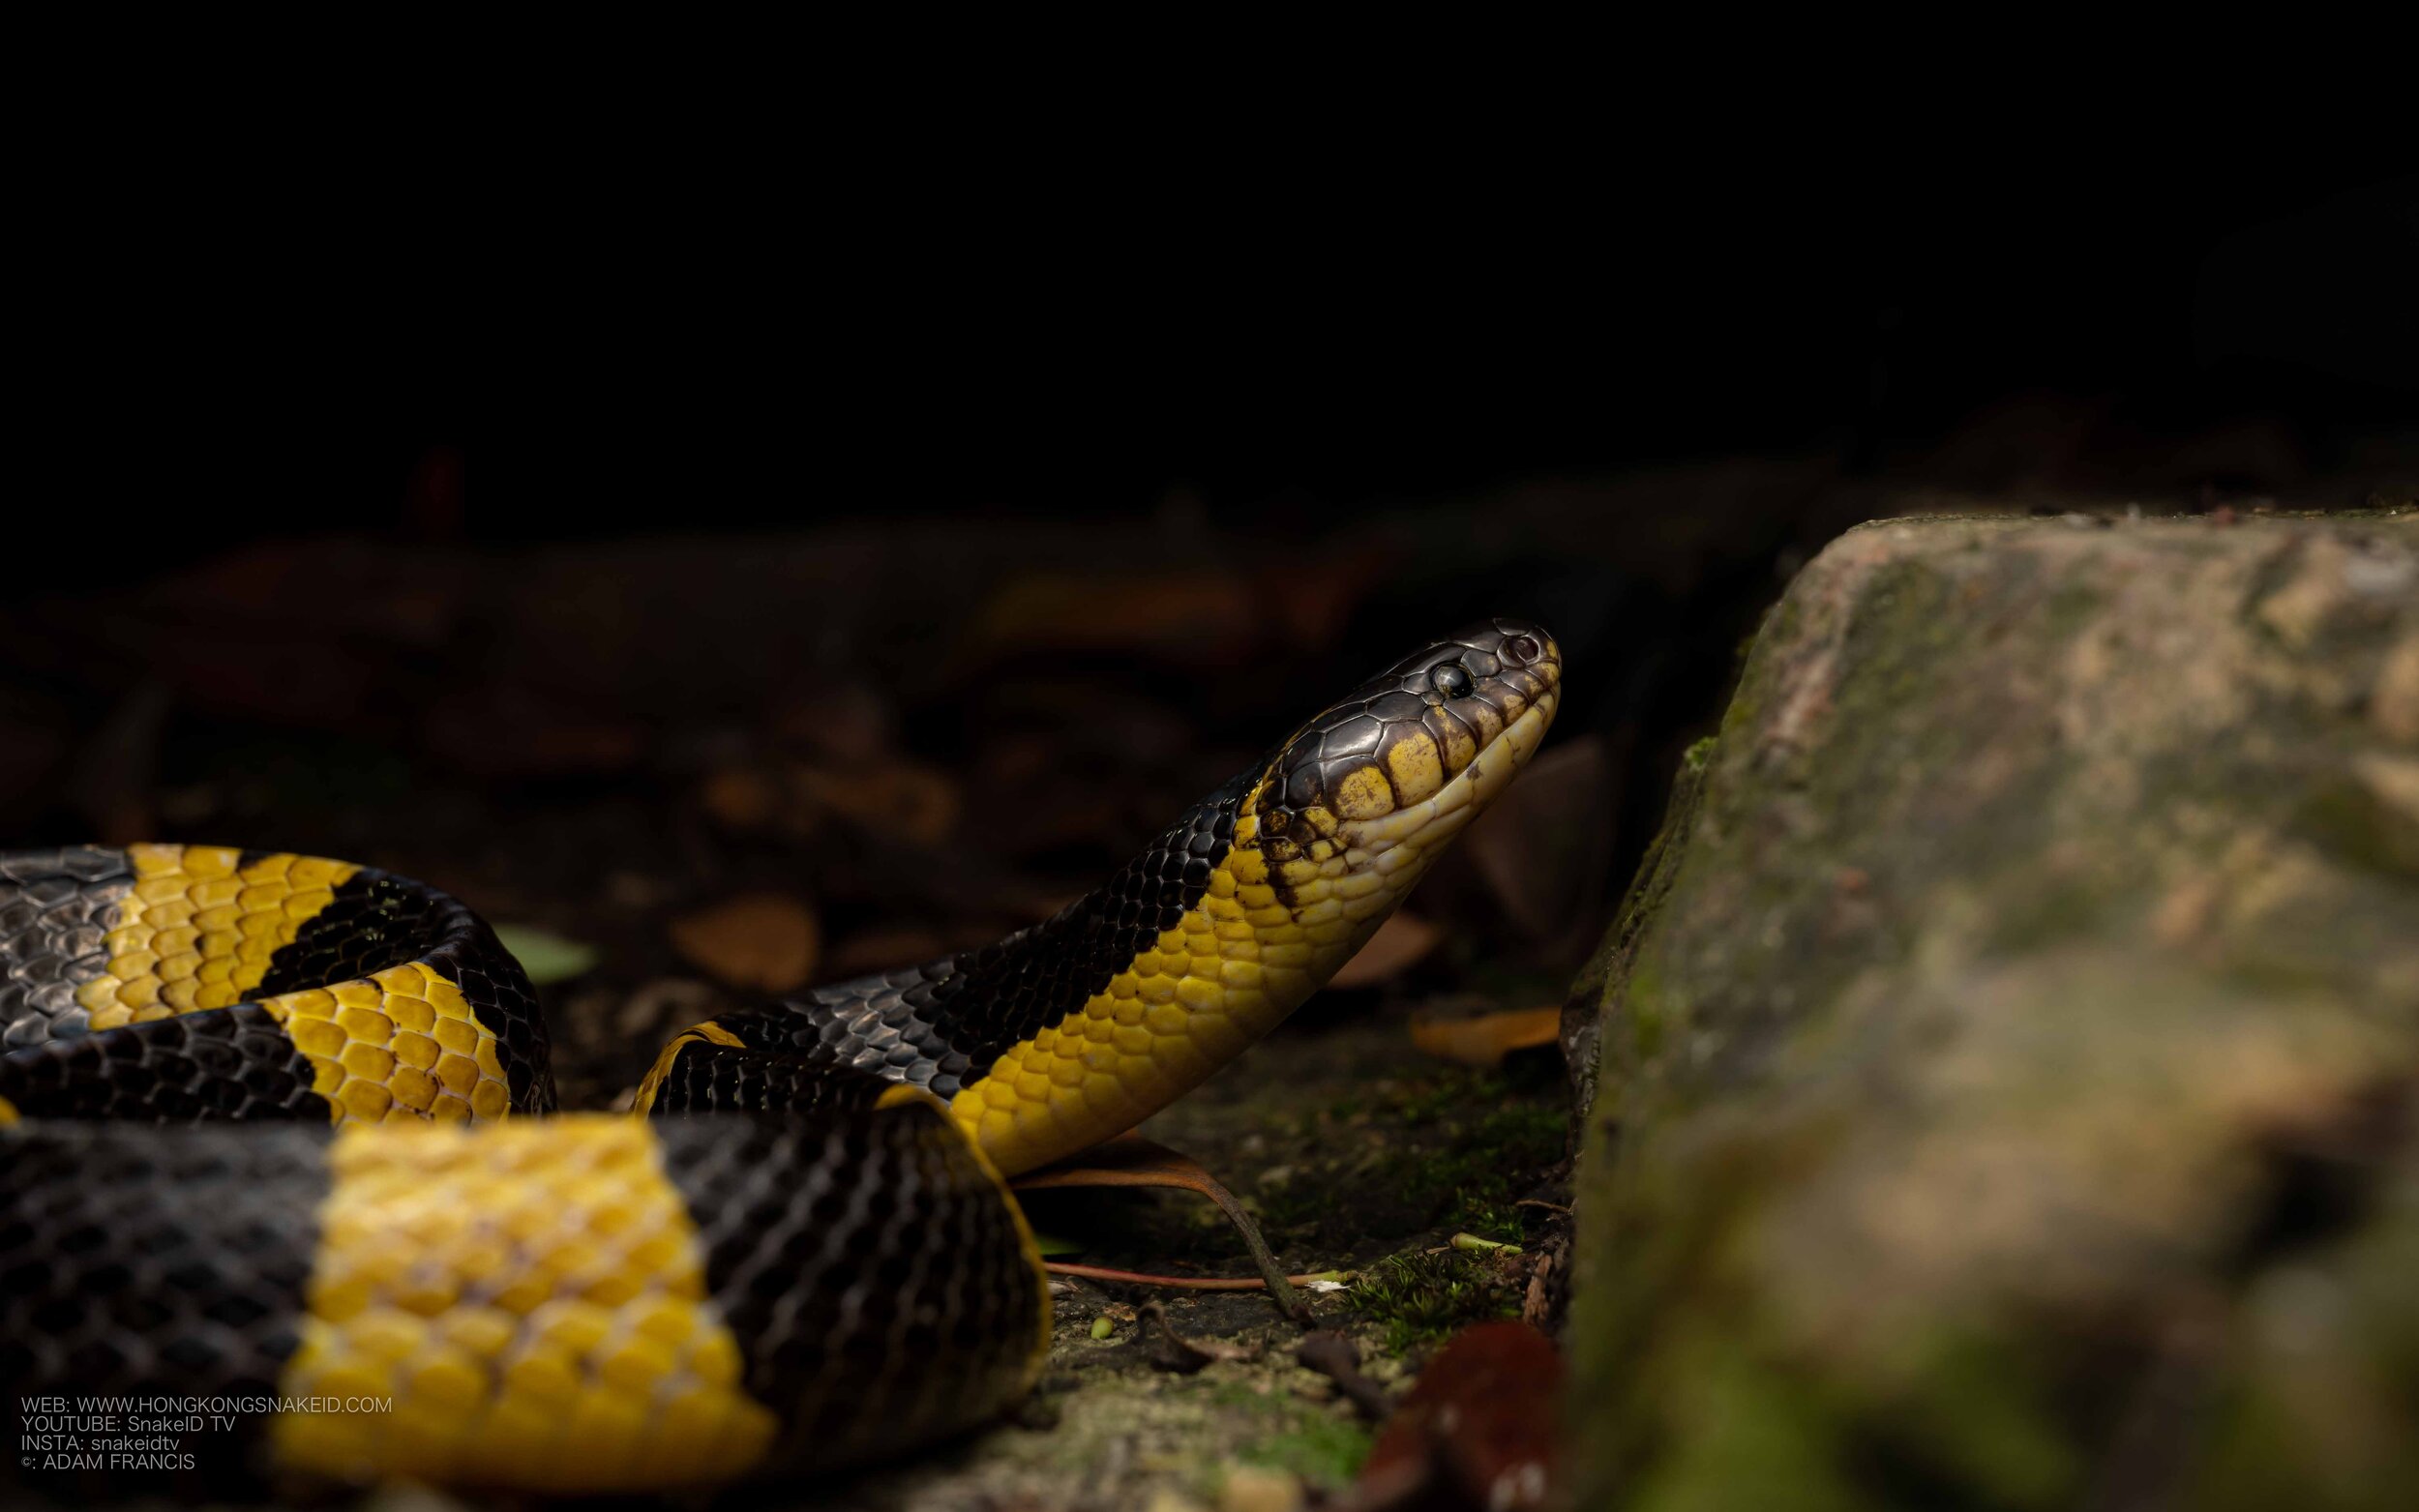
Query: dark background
(1331, 346)
(605, 586)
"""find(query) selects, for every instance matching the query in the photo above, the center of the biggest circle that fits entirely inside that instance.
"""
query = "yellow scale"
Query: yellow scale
(198, 931)
(531, 1299)
(1238, 961)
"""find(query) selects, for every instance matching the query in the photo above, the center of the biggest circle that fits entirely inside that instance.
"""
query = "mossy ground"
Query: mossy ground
(1358, 1154)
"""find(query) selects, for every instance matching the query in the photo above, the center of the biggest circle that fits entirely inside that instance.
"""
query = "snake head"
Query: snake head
(1405, 759)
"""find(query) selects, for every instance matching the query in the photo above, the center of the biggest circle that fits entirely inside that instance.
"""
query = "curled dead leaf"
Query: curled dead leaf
(1397, 946)
(740, 798)
(850, 724)
(1544, 846)
(1200, 616)
(897, 799)
(765, 941)
(1482, 1419)
(885, 949)
(1484, 1039)
(503, 731)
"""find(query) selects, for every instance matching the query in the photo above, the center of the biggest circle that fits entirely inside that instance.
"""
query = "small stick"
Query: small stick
(1132, 1161)
(1189, 1283)
(1334, 1356)
(1172, 1351)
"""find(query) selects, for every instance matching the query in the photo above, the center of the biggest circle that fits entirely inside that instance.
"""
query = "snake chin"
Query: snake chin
(1411, 835)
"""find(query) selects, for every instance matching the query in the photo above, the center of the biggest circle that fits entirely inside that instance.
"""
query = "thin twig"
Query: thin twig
(1334, 1356)
(1189, 1283)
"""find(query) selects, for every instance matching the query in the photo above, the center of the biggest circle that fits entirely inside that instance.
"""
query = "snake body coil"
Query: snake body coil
(806, 1258)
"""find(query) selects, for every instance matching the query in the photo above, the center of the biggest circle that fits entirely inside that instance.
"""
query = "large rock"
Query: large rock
(2007, 1060)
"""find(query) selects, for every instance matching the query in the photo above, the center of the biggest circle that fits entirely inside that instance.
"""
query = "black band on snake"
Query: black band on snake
(808, 1255)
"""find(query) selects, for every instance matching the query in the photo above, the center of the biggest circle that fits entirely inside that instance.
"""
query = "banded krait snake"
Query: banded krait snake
(807, 1257)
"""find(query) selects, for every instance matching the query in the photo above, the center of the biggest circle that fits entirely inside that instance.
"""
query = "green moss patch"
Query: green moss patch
(1425, 1298)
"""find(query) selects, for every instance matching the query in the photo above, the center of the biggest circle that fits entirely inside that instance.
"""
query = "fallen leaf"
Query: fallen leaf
(740, 798)
(1482, 1418)
(1396, 948)
(765, 941)
(1205, 616)
(1484, 1039)
(1131, 1161)
(506, 732)
(850, 724)
(545, 956)
(1545, 844)
(884, 950)
(1049, 1244)
(896, 799)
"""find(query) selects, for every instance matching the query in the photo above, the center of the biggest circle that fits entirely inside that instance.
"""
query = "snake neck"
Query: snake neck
(1205, 942)
(1076, 1030)
(1196, 948)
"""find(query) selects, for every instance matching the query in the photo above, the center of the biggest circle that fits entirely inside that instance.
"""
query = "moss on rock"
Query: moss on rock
(2007, 1064)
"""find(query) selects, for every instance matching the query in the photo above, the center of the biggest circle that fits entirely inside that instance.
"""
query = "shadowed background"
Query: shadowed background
(762, 637)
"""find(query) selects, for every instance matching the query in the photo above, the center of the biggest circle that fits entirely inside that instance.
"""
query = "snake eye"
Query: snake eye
(1522, 648)
(1452, 679)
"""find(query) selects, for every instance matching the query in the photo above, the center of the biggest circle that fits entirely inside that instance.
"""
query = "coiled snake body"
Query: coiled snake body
(806, 1257)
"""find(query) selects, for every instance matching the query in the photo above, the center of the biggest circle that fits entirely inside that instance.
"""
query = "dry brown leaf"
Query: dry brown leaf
(885, 950)
(1544, 845)
(1482, 1418)
(900, 800)
(1200, 616)
(500, 730)
(849, 725)
(739, 798)
(1486, 1039)
(766, 942)
(1396, 948)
